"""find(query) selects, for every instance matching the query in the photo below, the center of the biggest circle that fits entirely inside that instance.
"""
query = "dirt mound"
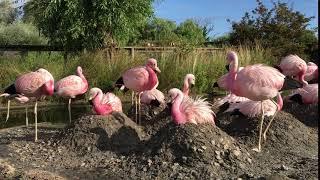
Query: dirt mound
(115, 132)
(41, 175)
(200, 147)
(307, 114)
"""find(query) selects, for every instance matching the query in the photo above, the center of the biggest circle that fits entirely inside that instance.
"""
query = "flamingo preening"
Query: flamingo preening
(293, 65)
(255, 82)
(312, 72)
(34, 84)
(187, 110)
(152, 97)
(71, 86)
(139, 79)
(189, 82)
(305, 95)
(104, 104)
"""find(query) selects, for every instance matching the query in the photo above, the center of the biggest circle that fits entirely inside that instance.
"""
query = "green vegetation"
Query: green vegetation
(103, 72)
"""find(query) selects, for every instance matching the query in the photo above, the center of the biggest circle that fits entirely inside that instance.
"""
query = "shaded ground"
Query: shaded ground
(114, 147)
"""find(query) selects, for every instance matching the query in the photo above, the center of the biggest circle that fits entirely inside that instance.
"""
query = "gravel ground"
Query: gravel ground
(115, 147)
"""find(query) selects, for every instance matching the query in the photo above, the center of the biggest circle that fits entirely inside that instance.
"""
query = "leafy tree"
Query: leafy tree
(206, 26)
(280, 28)
(7, 13)
(87, 24)
(190, 32)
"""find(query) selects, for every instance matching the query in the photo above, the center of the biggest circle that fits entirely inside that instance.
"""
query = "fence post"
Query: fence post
(132, 53)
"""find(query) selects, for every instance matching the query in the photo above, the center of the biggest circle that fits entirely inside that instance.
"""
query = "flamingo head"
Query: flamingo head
(173, 94)
(79, 70)
(152, 63)
(232, 61)
(231, 56)
(48, 88)
(93, 93)
(46, 74)
(190, 79)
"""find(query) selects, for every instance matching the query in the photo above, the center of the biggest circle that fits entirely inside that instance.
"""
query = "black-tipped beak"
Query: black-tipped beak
(90, 102)
(227, 67)
(155, 103)
(215, 84)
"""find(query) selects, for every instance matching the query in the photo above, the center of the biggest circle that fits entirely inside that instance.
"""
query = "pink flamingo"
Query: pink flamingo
(32, 84)
(305, 95)
(293, 65)
(142, 78)
(312, 72)
(71, 86)
(187, 110)
(104, 104)
(255, 82)
(189, 81)
(153, 97)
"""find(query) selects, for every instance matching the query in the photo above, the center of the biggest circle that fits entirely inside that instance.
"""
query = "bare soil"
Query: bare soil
(115, 147)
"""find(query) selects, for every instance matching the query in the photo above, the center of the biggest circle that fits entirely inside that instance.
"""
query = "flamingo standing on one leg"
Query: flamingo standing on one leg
(104, 104)
(293, 65)
(189, 81)
(187, 110)
(142, 78)
(33, 84)
(256, 82)
(71, 86)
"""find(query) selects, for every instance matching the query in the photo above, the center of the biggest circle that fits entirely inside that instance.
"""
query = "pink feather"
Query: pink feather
(154, 94)
(104, 104)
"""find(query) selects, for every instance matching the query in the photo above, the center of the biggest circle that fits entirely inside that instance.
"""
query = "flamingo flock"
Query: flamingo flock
(251, 91)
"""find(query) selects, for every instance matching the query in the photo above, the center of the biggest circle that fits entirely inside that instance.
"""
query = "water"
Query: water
(55, 114)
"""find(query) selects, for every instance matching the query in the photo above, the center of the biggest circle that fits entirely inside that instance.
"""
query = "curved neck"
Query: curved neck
(98, 98)
(153, 79)
(279, 102)
(301, 78)
(185, 88)
(48, 88)
(177, 115)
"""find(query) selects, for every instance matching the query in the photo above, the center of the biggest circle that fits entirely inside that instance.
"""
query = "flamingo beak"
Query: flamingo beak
(227, 67)
(157, 69)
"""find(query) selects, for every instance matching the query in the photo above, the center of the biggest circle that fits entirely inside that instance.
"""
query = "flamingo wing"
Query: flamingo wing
(253, 108)
(113, 101)
(197, 110)
(70, 86)
(136, 78)
(28, 84)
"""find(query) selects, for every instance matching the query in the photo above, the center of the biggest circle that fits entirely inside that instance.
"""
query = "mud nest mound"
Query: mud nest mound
(202, 147)
(115, 132)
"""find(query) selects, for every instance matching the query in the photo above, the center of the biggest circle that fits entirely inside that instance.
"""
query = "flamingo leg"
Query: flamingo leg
(27, 121)
(139, 107)
(260, 129)
(8, 111)
(136, 103)
(36, 121)
(132, 97)
(266, 130)
(69, 109)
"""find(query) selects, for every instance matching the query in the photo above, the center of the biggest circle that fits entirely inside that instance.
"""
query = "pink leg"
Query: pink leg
(266, 130)
(260, 129)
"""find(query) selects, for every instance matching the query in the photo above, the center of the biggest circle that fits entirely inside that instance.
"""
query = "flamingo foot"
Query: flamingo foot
(258, 149)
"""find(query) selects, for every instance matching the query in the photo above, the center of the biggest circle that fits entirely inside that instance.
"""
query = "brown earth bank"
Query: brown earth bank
(115, 147)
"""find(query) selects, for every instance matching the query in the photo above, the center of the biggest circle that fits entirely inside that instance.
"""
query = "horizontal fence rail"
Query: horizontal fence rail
(132, 49)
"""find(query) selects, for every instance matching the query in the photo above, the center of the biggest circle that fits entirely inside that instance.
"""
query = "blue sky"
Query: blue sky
(218, 11)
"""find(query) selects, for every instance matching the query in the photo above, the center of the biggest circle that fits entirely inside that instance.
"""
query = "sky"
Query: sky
(217, 11)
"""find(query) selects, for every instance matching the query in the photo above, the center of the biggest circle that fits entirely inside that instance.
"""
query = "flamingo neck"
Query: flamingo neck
(153, 79)
(279, 102)
(185, 88)
(177, 116)
(232, 75)
(48, 88)
(301, 78)
(84, 80)
(99, 108)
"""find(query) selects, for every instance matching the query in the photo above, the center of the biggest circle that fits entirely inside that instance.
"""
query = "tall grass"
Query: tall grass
(102, 72)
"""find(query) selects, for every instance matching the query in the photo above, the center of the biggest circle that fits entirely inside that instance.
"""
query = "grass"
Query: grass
(102, 71)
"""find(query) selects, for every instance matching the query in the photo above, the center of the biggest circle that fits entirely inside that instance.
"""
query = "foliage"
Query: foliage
(207, 66)
(7, 13)
(20, 33)
(280, 28)
(89, 24)
(190, 32)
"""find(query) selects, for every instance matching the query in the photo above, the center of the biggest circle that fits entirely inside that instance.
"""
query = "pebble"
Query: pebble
(149, 162)
(249, 160)
(213, 142)
(284, 167)
(218, 157)
(236, 153)
(204, 147)
(83, 164)
(184, 158)
(216, 164)
(217, 152)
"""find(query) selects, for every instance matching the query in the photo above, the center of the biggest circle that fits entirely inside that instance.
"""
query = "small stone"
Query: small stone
(216, 164)
(200, 150)
(220, 161)
(236, 153)
(285, 168)
(204, 147)
(218, 157)
(83, 164)
(221, 140)
(225, 147)
(217, 152)
(239, 178)
(213, 142)
(144, 169)
(290, 127)
(149, 162)
(184, 158)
